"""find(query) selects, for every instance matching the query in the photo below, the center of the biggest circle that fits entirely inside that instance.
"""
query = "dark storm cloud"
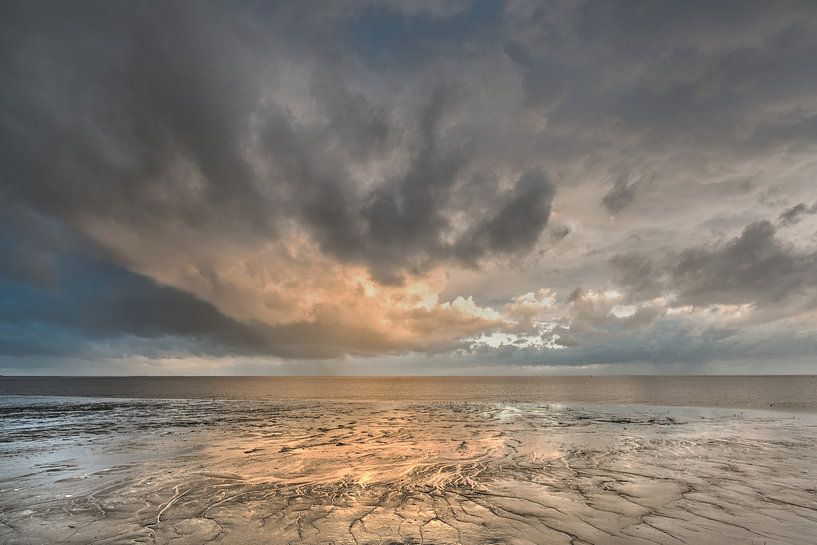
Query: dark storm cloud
(94, 301)
(406, 220)
(147, 115)
(728, 79)
(518, 222)
(107, 104)
(755, 267)
(205, 159)
(91, 301)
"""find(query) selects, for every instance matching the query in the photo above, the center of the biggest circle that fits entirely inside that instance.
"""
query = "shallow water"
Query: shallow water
(791, 393)
(78, 470)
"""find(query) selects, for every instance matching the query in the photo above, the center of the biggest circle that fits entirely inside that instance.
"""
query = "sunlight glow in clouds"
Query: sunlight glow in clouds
(399, 187)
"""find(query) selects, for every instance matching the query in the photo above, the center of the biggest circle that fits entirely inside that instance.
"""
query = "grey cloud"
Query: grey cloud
(558, 232)
(620, 195)
(675, 88)
(29, 265)
(588, 314)
(70, 321)
(575, 295)
(518, 222)
(667, 345)
(793, 215)
(93, 303)
(643, 279)
(755, 267)
(112, 111)
(127, 115)
(403, 138)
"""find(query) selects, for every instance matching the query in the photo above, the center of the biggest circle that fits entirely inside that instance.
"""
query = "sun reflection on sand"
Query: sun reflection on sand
(366, 473)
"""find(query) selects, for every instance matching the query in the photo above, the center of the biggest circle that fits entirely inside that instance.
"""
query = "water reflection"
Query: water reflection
(81, 471)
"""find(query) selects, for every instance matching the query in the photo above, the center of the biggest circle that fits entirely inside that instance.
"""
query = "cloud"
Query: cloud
(793, 215)
(639, 274)
(755, 268)
(89, 303)
(149, 128)
(517, 223)
(383, 178)
(620, 195)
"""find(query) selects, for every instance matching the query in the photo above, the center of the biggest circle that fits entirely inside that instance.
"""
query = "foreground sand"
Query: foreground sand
(192, 472)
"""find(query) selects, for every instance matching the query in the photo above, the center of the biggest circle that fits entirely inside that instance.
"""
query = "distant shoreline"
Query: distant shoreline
(793, 393)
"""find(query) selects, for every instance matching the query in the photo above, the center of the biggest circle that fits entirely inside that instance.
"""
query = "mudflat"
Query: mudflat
(77, 470)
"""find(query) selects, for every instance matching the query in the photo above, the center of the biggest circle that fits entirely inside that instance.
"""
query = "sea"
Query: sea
(786, 392)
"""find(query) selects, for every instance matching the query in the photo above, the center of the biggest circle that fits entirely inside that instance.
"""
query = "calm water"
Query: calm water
(794, 393)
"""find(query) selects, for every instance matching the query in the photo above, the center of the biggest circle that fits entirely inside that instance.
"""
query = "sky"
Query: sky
(424, 187)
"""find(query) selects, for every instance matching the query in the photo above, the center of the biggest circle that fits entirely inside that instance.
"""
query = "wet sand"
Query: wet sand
(189, 472)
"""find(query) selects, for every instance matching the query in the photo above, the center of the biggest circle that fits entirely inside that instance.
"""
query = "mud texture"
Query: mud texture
(191, 472)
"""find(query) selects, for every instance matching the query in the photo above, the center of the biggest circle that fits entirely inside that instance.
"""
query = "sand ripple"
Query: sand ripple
(192, 472)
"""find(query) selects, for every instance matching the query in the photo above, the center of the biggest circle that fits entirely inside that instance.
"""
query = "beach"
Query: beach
(190, 471)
